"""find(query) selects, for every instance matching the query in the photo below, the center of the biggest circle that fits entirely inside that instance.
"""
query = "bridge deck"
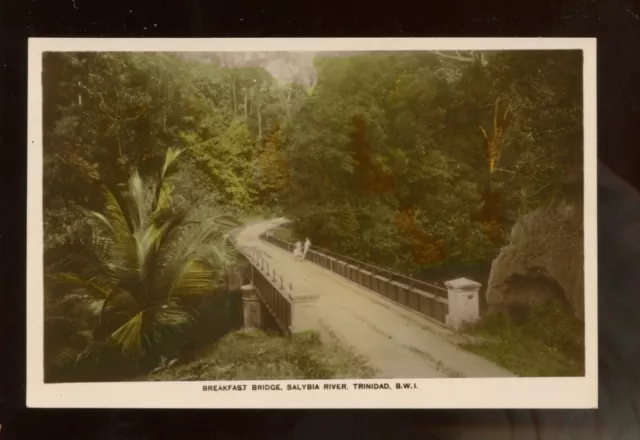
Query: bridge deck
(397, 342)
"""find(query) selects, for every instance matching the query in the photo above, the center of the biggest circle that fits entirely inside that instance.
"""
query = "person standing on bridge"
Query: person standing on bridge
(297, 251)
(307, 245)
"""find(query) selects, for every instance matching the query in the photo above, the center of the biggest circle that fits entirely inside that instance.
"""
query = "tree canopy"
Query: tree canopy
(405, 159)
(412, 158)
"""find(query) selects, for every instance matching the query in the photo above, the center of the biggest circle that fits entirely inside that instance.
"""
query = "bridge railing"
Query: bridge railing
(425, 298)
(269, 286)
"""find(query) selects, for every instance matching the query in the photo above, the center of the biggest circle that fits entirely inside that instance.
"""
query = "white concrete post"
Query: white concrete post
(251, 307)
(234, 279)
(464, 302)
(303, 314)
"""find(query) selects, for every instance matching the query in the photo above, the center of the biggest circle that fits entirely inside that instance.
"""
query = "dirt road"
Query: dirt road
(397, 342)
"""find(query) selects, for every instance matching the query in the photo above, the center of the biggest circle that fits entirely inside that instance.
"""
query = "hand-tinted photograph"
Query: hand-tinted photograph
(312, 215)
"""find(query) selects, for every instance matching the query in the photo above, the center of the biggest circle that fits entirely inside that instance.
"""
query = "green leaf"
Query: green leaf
(88, 286)
(137, 195)
(169, 162)
(129, 336)
(193, 278)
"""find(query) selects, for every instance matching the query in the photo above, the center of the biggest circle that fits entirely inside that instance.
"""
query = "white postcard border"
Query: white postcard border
(430, 393)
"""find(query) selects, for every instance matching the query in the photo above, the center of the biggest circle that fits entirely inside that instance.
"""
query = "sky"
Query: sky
(284, 66)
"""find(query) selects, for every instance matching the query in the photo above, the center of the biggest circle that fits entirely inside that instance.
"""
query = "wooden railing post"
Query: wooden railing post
(464, 303)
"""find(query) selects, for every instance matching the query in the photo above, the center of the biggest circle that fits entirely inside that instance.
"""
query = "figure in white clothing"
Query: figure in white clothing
(297, 251)
(307, 245)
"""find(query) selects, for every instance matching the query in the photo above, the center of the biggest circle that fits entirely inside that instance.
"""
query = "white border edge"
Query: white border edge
(560, 393)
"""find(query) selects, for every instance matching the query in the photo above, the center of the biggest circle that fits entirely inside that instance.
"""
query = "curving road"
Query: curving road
(397, 342)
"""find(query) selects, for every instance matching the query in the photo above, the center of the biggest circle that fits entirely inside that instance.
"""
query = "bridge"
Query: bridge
(404, 327)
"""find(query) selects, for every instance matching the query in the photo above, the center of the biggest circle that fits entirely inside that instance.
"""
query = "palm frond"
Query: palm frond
(208, 231)
(137, 196)
(98, 260)
(193, 278)
(102, 221)
(146, 246)
(63, 341)
(191, 241)
(143, 249)
(109, 250)
(172, 316)
(116, 213)
(123, 262)
(129, 336)
(119, 302)
(170, 221)
(165, 323)
(192, 256)
(65, 357)
(220, 254)
(222, 218)
(162, 199)
(88, 286)
(116, 310)
(94, 352)
(163, 190)
(170, 163)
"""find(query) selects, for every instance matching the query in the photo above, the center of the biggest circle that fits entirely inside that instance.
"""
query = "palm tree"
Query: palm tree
(146, 255)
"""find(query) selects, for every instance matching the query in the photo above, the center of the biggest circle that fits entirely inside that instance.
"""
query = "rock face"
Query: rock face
(544, 261)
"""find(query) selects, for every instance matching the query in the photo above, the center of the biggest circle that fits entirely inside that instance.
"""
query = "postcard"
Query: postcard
(312, 223)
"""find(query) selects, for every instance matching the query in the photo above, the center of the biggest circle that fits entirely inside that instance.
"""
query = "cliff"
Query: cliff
(542, 263)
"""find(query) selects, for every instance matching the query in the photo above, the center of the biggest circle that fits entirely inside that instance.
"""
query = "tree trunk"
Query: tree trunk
(289, 92)
(259, 123)
(245, 105)
(250, 99)
(235, 103)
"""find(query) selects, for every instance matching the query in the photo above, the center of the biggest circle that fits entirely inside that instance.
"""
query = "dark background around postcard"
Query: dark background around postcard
(616, 24)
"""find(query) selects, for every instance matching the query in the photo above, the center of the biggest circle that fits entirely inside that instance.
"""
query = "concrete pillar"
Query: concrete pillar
(303, 314)
(234, 279)
(251, 307)
(464, 302)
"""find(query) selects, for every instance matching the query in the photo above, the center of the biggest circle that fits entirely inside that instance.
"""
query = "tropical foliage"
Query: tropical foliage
(410, 160)
(135, 268)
